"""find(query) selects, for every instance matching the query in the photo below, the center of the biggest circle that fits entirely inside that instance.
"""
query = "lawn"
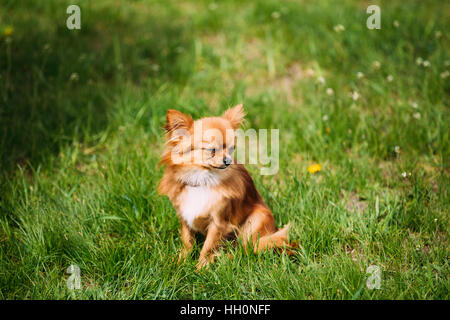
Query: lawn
(81, 116)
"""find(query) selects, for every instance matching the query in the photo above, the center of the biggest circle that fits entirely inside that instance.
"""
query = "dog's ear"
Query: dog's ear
(177, 120)
(235, 115)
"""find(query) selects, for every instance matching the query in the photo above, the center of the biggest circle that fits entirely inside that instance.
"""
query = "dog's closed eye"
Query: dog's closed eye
(212, 151)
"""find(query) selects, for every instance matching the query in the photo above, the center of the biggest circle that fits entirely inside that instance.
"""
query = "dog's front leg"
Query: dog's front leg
(214, 236)
(187, 236)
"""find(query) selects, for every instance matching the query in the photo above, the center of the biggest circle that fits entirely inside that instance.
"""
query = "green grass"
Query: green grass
(79, 154)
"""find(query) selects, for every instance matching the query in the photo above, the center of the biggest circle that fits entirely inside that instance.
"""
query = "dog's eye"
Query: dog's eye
(211, 150)
(231, 150)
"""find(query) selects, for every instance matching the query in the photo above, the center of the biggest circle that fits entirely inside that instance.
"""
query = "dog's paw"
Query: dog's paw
(202, 264)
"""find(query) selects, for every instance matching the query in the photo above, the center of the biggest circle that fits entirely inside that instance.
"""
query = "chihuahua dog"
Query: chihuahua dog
(211, 193)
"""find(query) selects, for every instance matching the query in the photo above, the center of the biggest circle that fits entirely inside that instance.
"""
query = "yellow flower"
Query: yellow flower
(8, 31)
(314, 168)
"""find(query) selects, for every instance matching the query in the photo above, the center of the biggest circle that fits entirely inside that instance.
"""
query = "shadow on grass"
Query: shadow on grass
(59, 86)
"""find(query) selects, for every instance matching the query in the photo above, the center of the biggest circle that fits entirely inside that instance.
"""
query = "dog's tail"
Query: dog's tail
(277, 240)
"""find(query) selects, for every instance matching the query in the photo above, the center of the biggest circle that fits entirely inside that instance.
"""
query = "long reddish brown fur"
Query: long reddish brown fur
(228, 202)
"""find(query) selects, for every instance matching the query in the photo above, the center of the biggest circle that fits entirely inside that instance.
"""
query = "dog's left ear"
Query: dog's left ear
(235, 115)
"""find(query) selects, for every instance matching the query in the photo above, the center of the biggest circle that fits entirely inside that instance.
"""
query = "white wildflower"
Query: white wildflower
(339, 28)
(74, 77)
(438, 34)
(404, 174)
(390, 78)
(414, 105)
(397, 149)
(330, 91)
(355, 95)
(360, 75)
(416, 115)
(396, 23)
(376, 64)
(321, 80)
(325, 118)
(419, 61)
(445, 74)
(426, 63)
(276, 15)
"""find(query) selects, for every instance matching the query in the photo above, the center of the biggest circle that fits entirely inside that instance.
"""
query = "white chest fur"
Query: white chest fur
(197, 201)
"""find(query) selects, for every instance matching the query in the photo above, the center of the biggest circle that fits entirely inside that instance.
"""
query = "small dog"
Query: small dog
(212, 194)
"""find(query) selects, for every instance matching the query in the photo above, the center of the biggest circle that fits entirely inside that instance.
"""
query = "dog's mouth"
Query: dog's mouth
(220, 168)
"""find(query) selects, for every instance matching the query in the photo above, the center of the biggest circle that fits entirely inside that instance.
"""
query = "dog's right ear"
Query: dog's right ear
(177, 120)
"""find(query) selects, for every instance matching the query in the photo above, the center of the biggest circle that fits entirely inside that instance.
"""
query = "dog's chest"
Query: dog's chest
(195, 202)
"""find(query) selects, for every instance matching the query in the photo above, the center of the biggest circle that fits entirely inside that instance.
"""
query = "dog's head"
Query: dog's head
(204, 144)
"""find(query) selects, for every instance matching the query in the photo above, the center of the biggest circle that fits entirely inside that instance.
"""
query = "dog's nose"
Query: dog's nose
(227, 161)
